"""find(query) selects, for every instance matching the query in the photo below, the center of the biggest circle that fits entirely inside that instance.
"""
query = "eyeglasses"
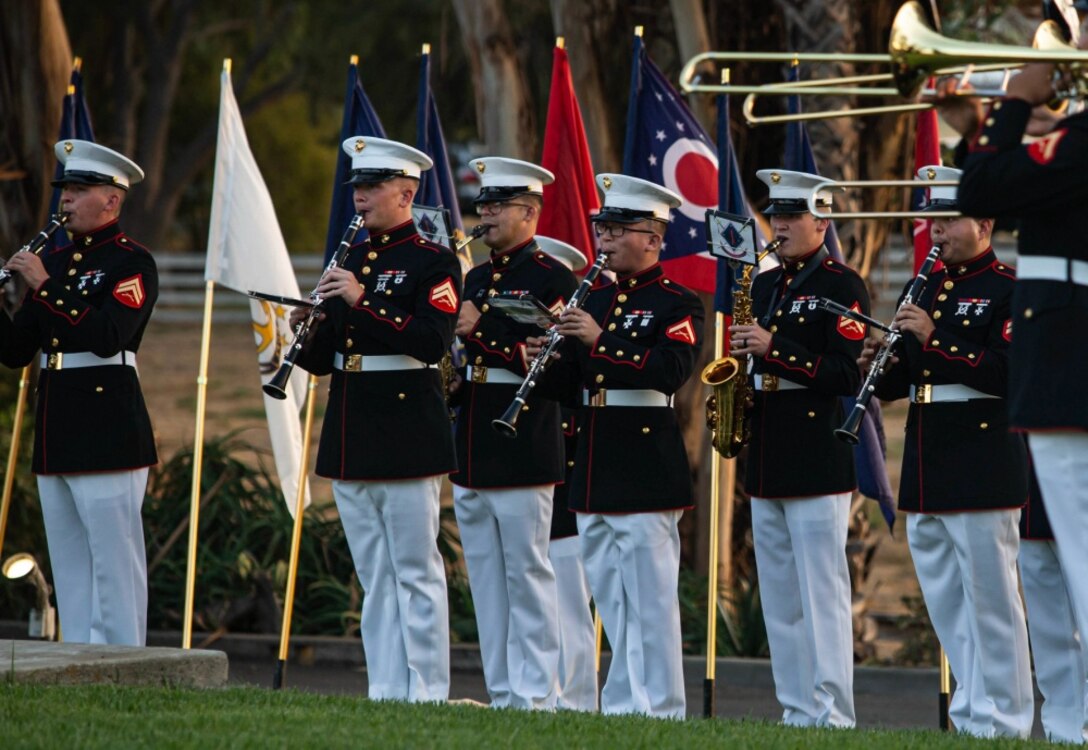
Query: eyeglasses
(496, 207)
(615, 231)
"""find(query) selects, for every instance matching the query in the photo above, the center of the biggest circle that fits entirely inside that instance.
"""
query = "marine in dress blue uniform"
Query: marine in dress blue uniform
(86, 310)
(799, 476)
(628, 350)
(503, 488)
(385, 440)
(965, 476)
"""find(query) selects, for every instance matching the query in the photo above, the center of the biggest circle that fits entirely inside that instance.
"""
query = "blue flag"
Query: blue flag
(75, 122)
(871, 451)
(731, 199)
(359, 119)
(666, 145)
(436, 185)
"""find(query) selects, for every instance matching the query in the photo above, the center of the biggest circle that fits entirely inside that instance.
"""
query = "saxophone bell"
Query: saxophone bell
(721, 405)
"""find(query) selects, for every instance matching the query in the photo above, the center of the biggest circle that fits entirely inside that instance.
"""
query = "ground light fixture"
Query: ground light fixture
(43, 619)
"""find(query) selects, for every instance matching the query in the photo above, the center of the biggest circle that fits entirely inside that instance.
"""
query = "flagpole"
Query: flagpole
(712, 562)
(296, 535)
(13, 452)
(943, 719)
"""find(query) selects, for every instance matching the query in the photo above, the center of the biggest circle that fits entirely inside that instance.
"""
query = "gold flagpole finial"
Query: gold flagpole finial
(725, 76)
(226, 65)
(560, 42)
(71, 90)
(426, 48)
(795, 63)
(354, 59)
(77, 63)
(638, 31)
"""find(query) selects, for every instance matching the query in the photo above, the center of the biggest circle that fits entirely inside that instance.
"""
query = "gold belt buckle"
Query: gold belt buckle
(479, 374)
(923, 394)
(55, 361)
(770, 383)
(600, 398)
(353, 363)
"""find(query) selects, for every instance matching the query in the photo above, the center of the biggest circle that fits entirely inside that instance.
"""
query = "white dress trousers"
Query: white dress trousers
(804, 586)
(966, 566)
(504, 535)
(96, 548)
(392, 531)
(577, 637)
(633, 565)
(1061, 466)
(1061, 669)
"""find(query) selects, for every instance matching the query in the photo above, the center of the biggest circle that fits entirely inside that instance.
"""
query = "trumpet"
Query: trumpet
(276, 387)
(507, 423)
(35, 246)
(850, 428)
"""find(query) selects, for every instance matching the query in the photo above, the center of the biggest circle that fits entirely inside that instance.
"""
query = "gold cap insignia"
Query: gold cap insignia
(68, 147)
(607, 182)
(931, 174)
(360, 144)
(776, 178)
(480, 167)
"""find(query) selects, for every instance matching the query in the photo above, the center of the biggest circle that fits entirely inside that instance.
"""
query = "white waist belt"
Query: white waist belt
(1050, 268)
(73, 360)
(478, 374)
(626, 398)
(929, 394)
(772, 383)
(375, 362)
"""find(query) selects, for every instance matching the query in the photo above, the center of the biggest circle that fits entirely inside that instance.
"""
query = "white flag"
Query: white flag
(246, 251)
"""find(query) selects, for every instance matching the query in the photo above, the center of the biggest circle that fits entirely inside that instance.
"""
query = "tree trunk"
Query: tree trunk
(584, 25)
(35, 66)
(504, 110)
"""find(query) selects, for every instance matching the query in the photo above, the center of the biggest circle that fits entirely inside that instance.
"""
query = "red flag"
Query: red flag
(572, 198)
(927, 151)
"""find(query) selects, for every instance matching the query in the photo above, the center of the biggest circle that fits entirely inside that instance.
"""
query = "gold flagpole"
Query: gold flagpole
(296, 535)
(712, 562)
(198, 460)
(598, 632)
(943, 719)
(13, 452)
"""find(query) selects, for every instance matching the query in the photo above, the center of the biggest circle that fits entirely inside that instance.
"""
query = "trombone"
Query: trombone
(819, 213)
(915, 52)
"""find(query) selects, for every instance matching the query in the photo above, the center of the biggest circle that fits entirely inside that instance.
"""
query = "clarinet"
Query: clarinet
(276, 387)
(850, 428)
(507, 423)
(35, 245)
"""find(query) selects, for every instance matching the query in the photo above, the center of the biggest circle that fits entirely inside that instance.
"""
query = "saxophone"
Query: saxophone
(726, 406)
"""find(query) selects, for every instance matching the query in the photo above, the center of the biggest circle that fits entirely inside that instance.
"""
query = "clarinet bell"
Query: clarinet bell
(506, 424)
(276, 386)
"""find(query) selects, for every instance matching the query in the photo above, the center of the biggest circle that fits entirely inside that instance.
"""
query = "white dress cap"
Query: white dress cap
(503, 179)
(790, 191)
(630, 199)
(568, 255)
(940, 198)
(88, 163)
(379, 159)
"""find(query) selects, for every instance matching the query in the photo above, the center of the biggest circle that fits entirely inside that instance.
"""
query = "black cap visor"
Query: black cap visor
(615, 215)
(373, 176)
(502, 193)
(77, 177)
(941, 205)
(791, 207)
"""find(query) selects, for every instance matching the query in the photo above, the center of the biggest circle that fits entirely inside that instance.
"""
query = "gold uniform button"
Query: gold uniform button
(494, 343)
(570, 463)
(56, 342)
(808, 364)
(774, 353)
(43, 293)
(599, 379)
(385, 238)
(937, 315)
(496, 276)
(970, 356)
(398, 319)
(74, 312)
(812, 415)
(600, 348)
(983, 140)
(926, 373)
(366, 303)
(634, 334)
(84, 292)
(506, 350)
(997, 105)
(618, 311)
(381, 311)
(801, 319)
(989, 121)
(621, 298)
(506, 259)
(479, 360)
(366, 270)
(372, 255)
(967, 322)
(637, 357)
(71, 272)
(645, 430)
(953, 348)
(350, 343)
(632, 282)
(935, 342)
(88, 240)
(793, 358)
(388, 292)
(611, 326)
(774, 329)
(778, 314)
(478, 334)
(984, 426)
(77, 257)
(485, 307)
(948, 285)
(942, 297)
(619, 352)
(60, 302)
(98, 389)
(566, 426)
(1027, 313)
(401, 396)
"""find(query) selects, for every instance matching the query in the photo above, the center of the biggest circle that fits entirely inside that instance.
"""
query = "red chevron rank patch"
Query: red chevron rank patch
(1042, 151)
(444, 296)
(682, 331)
(851, 329)
(130, 292)
(1006, 330)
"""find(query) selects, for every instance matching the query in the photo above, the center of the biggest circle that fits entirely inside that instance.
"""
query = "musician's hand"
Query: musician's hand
(534, 344)
(915, 320)
(751, 340)
(298, 314)
(1043, 119)
(868, 352)
(29, 266)
(467, 318)
(578, 324)
(340, 282)
(1033, 84)
(455, 383)
(962, 113)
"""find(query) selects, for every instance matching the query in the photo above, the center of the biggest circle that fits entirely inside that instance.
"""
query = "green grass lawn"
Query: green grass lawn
(111, 717)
